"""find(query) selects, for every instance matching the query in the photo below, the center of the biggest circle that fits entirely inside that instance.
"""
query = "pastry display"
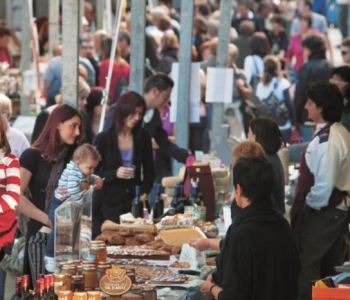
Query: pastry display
(158, 275)
(180, 265)
(142, 252)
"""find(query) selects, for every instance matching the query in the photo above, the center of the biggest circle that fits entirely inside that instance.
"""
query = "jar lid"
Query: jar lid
(61, 293)
(89, 268)
(69, 267)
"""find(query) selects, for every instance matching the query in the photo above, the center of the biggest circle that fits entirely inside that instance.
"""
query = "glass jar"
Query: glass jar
(62, 282)
(80, 296)
(90, 278)
(101, 271)
(65, 295)
(99, 250)
(69, 269)
(94, 295)
(77, 283)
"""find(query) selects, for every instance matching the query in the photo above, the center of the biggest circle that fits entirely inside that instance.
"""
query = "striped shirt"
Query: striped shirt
(71, 179)
(9, 182)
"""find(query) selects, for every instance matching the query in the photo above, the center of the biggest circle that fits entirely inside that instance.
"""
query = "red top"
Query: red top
(296, 50)
(5, 55)
(119, 71)
(9, 197)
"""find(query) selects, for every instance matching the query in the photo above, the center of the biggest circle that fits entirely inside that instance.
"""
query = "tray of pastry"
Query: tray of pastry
(137, 252)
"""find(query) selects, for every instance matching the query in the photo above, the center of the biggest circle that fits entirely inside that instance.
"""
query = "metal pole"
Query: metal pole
(81, 16)
(111, 63)
(108, 16)
(54, 26)
(137, 58)
(9, 18)
(185, 60)
(348, 19)
(100, 11)
(70, 51)
(221, 61)
(26, 53)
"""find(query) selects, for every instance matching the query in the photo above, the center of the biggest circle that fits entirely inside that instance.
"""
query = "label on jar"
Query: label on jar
(115, 282)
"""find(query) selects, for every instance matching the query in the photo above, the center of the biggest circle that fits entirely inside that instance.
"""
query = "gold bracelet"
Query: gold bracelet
(211, 290)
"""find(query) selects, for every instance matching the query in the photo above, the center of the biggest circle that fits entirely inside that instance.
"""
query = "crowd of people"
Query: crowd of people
(286, 90)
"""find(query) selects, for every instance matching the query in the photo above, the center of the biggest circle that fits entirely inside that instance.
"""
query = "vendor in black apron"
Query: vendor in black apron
(319, 212)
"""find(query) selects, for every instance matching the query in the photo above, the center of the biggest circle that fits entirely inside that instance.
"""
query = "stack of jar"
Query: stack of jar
(83, 276)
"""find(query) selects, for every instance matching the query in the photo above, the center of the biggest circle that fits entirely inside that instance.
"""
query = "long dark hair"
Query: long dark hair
(259, 44)
(267, 134)
(49, 141)
(271, 68)
(126, 106)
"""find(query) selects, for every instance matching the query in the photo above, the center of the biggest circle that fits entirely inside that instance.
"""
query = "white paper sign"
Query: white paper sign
(194, 92)
(219, 85)
(227, 216)
(189, 254)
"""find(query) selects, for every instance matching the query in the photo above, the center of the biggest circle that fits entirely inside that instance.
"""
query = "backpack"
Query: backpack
(274, 109)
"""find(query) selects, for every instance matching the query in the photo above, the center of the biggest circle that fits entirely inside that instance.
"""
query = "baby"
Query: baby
(76, 179)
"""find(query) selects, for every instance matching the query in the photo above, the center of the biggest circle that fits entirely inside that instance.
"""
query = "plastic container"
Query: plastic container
(331, 293)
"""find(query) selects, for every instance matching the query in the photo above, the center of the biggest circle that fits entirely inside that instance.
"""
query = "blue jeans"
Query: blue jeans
(50, 247)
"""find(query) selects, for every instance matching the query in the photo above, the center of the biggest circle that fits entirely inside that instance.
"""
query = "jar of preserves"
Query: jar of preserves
(65, 295)
(78, 283)
(90, 278)
(62, 282)
(101, 270)
(99, 251)
(95, 295)
(80, 296)
(69, 269)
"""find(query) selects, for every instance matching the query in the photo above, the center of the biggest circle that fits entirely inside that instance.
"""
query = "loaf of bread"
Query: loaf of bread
(131, 241)
(116, 239)
(144, 237)
(134, 228)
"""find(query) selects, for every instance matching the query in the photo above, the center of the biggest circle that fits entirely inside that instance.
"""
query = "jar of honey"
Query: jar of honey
(94, 295)
(101, 270)
(78, 283)
(90, 278)
(62, 282)
(65, 295)
(99, 250)
(69, 269)
(80, 296)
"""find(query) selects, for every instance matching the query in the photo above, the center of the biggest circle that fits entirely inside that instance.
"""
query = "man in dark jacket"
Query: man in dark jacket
(157, 92)
(258, 259)
(316, 69)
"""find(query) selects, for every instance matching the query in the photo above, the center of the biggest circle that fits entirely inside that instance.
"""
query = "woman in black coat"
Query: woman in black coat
(127, 161)
(267, 134)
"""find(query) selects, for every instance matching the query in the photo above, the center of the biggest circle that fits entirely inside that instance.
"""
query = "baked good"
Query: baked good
(116, 239)
(144, 237)
(132, 241)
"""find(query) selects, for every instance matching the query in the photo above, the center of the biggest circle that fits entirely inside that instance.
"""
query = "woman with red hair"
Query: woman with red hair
(42, 165)
(9, 191)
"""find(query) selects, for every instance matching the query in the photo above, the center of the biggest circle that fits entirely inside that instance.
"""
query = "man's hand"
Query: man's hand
(205, 287)
(155, 146)
(199, 244)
